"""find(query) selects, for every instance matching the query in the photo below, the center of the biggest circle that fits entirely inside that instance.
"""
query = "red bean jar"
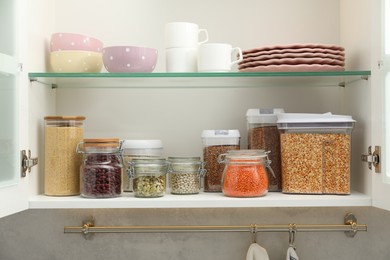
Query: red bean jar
(102, 169)
(245, 173)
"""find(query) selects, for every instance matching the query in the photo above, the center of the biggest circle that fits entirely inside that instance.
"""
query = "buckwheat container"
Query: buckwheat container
(315, 153)
(263, 134)
(216, 142)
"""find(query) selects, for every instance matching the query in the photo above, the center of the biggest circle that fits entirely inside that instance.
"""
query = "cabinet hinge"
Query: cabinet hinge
(26, 162)
(373, 158)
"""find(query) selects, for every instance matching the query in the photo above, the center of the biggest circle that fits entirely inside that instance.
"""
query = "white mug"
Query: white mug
(183, 34)
(181, 59)
(217, 57)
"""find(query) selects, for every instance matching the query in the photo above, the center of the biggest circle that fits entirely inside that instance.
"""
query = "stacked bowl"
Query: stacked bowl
(72, 52)
(129, 59)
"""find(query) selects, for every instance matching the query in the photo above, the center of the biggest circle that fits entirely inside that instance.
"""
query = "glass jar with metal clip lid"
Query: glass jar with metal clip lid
(185, 174)
(149, 176)
(245, 173)
(102, 168)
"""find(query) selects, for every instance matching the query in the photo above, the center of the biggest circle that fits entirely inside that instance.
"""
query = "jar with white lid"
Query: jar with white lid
(185, 174)
(149, 176)
(216, 142)
(101, 170)
(263, 134)
(62, 134)
(135, 149)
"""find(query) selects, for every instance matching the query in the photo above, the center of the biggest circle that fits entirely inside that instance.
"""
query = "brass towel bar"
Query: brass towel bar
(350, 228)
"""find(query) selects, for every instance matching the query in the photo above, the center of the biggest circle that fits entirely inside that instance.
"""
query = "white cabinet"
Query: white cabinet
(176, 107)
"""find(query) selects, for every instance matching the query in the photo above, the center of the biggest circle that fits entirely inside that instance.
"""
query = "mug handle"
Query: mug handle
(206, 34)
(240, 57)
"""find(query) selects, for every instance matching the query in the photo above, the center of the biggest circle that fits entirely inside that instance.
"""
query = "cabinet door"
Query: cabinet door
(12, 193)
(380, 100)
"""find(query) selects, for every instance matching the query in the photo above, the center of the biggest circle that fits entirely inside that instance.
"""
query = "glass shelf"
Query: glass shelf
(198, 79)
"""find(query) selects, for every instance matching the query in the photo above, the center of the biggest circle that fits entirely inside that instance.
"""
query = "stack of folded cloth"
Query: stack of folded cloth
(295, 57)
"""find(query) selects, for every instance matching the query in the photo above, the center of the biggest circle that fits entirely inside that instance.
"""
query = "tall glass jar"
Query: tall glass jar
(245, 173)
(62, 134)
(101, 170)
(149, 176)
(185, 174)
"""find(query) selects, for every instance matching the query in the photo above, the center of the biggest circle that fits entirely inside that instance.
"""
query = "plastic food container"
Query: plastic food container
(138, 148)
(185, 174)
(263, 134)
(62, 134)
(149, 176)
(316, 153)
(216, 142)
(245, 173)
(101, 170)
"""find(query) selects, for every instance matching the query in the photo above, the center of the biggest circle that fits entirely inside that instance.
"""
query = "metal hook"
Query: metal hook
(291, 237)
(253, 231)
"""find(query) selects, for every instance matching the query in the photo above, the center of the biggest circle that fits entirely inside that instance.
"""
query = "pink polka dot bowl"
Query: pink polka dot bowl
(74, 41)
(129, 59)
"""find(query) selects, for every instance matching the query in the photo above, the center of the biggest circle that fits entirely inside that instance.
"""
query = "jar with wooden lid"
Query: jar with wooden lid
(62, 134)
(185, 174)
(245, 173)
(149, 176)
(102, 168)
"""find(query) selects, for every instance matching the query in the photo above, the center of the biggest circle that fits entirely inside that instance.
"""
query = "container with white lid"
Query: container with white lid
(315, 152)
(263, 134)
(138, 148)
(216, 142)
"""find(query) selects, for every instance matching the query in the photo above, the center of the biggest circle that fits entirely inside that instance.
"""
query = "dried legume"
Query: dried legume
(241, 179)
(101, 176)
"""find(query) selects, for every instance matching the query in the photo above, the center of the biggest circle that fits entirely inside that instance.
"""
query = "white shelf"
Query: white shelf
(202, 200)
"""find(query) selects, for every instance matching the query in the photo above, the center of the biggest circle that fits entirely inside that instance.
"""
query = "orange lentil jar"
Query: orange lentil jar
(245, 173)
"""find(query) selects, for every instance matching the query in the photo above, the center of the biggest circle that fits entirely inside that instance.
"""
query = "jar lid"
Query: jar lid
(263, 115)
(221, 137)
(142, 144)
(248, 154)
(76, 118)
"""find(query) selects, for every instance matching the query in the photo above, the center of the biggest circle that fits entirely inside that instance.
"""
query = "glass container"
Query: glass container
(245, 173)
(185, 174)
(101, 170)
(149, 176)
(62, 134)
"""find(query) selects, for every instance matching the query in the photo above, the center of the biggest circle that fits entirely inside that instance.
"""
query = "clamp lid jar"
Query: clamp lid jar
(245, 173)
(185, 174)
(101, 170)
(149, 176)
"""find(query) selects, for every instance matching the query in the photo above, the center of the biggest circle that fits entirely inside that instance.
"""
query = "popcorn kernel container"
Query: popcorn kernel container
(315, 152)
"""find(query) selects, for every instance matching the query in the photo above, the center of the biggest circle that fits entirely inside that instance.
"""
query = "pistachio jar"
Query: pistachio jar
(149, 176)
(185, 174)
